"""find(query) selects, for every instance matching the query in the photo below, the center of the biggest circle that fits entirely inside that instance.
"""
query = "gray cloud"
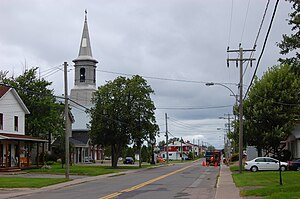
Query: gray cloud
(170, 39)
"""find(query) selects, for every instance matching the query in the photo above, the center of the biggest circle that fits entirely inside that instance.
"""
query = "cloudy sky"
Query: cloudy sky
(177, 45)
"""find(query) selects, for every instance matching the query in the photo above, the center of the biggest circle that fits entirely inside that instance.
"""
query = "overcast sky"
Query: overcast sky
(165, 39)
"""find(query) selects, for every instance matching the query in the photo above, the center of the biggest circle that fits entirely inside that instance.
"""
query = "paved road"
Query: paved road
(187, 180)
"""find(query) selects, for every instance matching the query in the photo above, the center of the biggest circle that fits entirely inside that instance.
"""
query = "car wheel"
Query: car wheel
(254, 169)
(283, 168)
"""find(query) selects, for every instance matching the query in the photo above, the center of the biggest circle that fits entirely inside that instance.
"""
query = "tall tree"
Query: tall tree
(123, 114)
(271, 108)
(291, 43)
(142, 119)
(46, 115)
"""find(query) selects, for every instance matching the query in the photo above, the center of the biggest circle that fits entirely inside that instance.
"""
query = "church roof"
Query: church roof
(85, 50)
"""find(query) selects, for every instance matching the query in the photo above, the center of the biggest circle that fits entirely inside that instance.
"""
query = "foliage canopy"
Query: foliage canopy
(46, 115)
(123, 114)
(272, 107)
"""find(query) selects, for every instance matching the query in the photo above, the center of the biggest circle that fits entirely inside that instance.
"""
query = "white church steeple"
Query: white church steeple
(85, 70)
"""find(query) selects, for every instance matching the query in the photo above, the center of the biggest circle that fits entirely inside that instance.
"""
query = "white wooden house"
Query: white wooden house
(293, 142)
(16, 148)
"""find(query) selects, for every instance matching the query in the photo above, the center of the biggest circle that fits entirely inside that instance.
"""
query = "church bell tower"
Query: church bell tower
(85, 70)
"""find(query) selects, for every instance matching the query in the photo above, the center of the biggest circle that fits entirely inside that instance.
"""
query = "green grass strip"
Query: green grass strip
(18, 182)
(269, 181)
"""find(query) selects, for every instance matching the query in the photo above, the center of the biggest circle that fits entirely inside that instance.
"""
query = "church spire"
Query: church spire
(85, 70)
(85, 50)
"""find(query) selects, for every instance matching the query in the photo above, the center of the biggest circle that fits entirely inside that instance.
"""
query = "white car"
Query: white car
(265, 163)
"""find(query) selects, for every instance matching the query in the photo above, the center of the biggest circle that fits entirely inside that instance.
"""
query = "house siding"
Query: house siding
(11, 108)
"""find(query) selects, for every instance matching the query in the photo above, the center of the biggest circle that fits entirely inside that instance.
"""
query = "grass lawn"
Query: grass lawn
(89, 170)
(18, 182)
(266, 184)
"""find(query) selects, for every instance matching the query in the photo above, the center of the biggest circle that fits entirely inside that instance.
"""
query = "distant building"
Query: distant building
(293, 142)
(81, 97)
(179, 150)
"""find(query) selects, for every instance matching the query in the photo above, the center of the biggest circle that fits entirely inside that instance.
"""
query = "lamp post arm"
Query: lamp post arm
(226, 87)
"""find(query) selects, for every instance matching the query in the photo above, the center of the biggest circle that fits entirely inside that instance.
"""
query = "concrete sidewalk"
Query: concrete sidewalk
(226, 188)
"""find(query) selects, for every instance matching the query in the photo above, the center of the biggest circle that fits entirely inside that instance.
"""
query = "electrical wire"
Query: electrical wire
(258, 33)
(263, 49)
(245, 21)
(162, 78)
(193, 108)
(230, 23)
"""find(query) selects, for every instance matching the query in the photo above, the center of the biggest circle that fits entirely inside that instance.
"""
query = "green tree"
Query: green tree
(291, 43)
(162, 143)
(271, 108)
(46, 115)
(172, 140)
(142, 118)
(123, 114)
(145, 154)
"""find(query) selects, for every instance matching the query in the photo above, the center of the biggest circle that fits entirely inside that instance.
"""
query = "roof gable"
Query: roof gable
(4, 90)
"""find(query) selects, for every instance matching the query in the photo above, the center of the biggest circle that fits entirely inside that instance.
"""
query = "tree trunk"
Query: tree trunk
(114, 156)
(259, 151)
(140, 156)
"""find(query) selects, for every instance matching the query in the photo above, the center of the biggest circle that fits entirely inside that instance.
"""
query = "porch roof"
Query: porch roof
(10, 136)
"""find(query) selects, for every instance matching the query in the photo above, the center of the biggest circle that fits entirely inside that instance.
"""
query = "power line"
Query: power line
(230, 24)
(162, 78)
(192, 108)
(245, 21)
(264, 45)
(258, 33)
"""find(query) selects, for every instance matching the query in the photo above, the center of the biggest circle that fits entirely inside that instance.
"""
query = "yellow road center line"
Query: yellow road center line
(143, 184)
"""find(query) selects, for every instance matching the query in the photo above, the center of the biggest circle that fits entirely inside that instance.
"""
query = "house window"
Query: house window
(82, 75)
(1, 121)
(16, 123)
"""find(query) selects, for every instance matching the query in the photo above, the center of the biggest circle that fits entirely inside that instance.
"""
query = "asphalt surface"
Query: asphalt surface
(197, 185)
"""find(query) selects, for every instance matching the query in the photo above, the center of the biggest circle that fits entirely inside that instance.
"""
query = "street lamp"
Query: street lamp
(219, 84)
(240, 122)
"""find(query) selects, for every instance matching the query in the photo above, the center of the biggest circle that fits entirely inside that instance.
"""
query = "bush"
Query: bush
(234, 157)
(49, 162)
(51, 157)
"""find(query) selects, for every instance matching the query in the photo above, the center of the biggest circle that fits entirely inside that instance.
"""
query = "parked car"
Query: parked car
(88, 160)
(129, 160)
(294, 164)
(265, 163)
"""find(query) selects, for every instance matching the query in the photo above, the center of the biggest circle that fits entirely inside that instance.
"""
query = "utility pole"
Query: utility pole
(241, 59)
(66, 121)
(226, 142)
(167, 137)
(181, 140)
(226, 145)
(193, 149)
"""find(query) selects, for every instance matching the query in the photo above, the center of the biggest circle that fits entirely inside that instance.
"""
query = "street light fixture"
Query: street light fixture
(240, 122)
(219, 84)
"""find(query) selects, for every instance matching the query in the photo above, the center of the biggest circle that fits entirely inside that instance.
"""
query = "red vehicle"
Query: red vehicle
(213, 157)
